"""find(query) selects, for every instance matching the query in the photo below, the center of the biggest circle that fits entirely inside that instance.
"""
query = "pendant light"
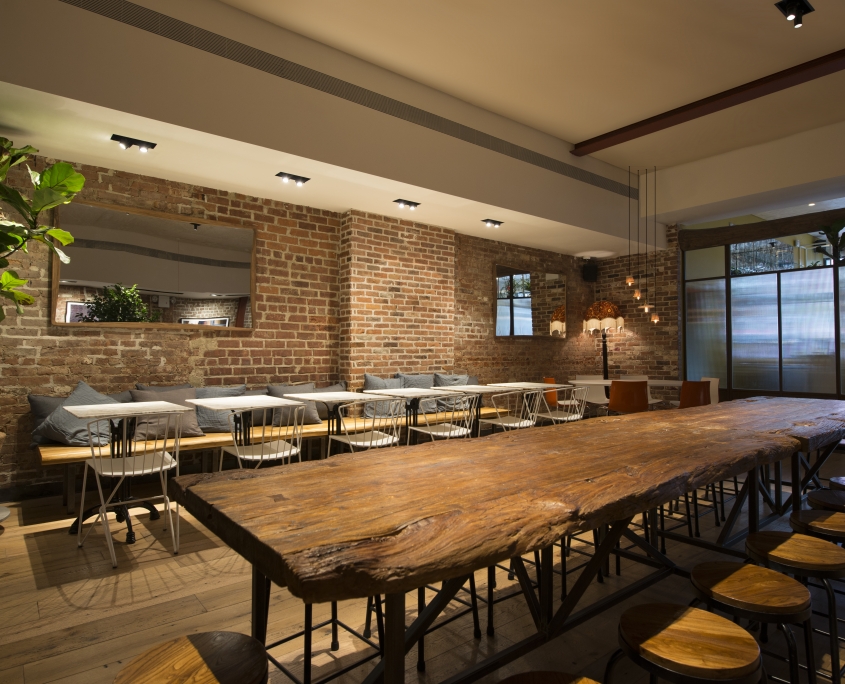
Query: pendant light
(637, 291)
(645, 306)
(629, 279)
(654, 317)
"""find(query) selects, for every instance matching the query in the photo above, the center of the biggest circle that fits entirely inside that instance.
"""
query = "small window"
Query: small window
(513, 302)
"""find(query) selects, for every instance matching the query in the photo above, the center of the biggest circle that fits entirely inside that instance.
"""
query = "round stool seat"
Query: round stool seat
(546, 678)
(828, 525)
(751, 588)
(837, 483)
(827, 500)
(689, 641)
(798, 552)
(204, 658)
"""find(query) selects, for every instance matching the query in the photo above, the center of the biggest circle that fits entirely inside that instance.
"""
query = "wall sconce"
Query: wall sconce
(558, 324)
(291, 178)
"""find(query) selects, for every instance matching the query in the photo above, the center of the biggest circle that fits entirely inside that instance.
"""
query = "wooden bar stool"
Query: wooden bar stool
(759, 594)
(837, 483)
(546, 678)
(687, 646)
(805, 557)
(828, 525)
(827, 500)
(204, 658)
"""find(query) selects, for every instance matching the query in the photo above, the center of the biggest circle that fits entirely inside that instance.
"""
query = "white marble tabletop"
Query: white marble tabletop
(651, 383)
(472, 389)
(126, 410)
(409, 392)
(529, 385)
(332, 397)
(243, 403)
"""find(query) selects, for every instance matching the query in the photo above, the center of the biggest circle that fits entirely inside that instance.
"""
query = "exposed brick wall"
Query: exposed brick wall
(645, 348)
(397, 298)
(295, 336)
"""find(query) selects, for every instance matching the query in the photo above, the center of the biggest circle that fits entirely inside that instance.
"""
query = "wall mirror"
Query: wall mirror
(529, 303)
(186, 274)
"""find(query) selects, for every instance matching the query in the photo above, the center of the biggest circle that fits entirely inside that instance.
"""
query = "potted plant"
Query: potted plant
(119, 304)
(58, 184)
(834, 237)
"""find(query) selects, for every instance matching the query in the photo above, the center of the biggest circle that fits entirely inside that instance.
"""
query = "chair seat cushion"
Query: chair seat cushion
(689, 641)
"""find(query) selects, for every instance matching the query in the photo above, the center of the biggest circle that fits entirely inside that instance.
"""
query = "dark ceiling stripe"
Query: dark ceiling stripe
(81, 243)
(193, 36)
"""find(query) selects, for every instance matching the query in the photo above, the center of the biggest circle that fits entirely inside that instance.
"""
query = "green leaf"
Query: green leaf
(64, 258)
(61, 235)
(3, 262)
(34, 175)
(11, 279)
(62, 178)
(47, 198)
(13, 197)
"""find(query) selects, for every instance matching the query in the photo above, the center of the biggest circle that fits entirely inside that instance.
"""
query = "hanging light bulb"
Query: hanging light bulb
(637, 294)
(629, 280)
(646, 307)
(655, 318)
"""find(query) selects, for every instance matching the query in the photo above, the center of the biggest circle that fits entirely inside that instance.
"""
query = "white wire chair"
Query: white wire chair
(282, 443)
(569, 405)
(131, 452)
(360, 432)
(453, 417)
(515, 410)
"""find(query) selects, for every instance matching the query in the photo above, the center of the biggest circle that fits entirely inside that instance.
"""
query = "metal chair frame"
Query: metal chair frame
(283, 442)
(142, 458)
(573, 401)
(361, 433)
(515, 410)
(453, 418)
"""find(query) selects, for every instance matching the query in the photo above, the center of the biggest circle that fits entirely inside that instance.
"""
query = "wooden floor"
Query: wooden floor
(67, 616)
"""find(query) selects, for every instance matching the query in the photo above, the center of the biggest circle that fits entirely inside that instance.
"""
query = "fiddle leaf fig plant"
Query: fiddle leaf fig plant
(834, 236)
(119, 304)
(58, 184)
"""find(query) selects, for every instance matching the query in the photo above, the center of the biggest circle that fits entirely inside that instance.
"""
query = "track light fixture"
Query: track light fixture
(196, 226)
(291, 178)
(126, 142)
(490, 223)
(794, 10)
(402, 203)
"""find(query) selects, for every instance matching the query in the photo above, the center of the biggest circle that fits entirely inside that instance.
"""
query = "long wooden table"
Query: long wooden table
(390, 521)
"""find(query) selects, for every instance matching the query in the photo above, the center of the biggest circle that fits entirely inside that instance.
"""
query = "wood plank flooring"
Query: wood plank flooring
(67, 616)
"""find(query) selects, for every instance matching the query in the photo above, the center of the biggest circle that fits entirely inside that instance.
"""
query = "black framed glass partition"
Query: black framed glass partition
(762, 317)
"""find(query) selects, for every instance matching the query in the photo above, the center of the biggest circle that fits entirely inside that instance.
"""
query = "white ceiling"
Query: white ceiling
(807, 208)
(577, 69)
(67, 129)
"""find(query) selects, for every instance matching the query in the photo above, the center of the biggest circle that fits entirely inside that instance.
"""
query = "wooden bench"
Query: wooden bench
(70, 456)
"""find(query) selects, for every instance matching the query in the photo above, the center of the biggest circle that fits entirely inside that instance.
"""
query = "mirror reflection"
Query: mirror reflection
(127, 267)
(529, 304)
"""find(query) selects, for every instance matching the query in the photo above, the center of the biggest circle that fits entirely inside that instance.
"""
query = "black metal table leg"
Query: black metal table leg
(394, 638)
(260, 605)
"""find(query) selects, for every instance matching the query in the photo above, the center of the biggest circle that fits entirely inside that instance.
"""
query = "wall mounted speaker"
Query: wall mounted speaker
(590, 272)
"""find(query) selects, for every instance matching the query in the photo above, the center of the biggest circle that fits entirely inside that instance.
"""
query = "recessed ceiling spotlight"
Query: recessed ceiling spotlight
(126, 142)
(490, 223)
(196, 226)
(811, 204)
(794, 10)
(291, 178)
(402, 203)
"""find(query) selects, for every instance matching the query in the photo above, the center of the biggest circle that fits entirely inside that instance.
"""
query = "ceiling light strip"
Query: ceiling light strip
(193, 36)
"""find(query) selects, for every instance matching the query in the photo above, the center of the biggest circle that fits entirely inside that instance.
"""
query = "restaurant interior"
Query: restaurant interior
(380, 342)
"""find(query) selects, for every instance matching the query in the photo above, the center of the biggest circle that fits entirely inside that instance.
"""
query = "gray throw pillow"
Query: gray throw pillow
(210, 420)
(422, 381)
(41, 406)
(442, 380)
(282, 416)
(323, 409)
(258, 414)
(373, 382)
(161, 388)
(123, 397)
(60, 426)
(151, 429)
(472, 380)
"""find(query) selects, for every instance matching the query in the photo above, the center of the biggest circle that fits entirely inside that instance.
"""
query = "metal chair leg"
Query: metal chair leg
(608, 670)
(491, 584)
(421, 642)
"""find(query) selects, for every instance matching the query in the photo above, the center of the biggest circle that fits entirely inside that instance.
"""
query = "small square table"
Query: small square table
(245, 405)
(332, 400)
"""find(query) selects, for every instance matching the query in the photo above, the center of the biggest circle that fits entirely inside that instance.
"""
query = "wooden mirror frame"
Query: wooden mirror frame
(55, 272)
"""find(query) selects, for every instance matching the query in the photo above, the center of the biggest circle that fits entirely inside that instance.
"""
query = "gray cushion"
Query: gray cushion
(323, 409)
(60, 426)
(441, 380)
(472, 380)
(161, 388)
(282, 416)
(422, 381)
(41, 406)
(123, 397)
(373, 382)
(150, 429)
(258, 414)
(210, 420)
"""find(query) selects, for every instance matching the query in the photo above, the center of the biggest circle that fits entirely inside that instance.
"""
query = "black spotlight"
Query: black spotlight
(794, 10)
(126, 142)
(299, 181)
(402, 203)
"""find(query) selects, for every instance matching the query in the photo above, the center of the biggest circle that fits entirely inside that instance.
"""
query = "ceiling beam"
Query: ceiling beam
(808, 71)
(701, 238)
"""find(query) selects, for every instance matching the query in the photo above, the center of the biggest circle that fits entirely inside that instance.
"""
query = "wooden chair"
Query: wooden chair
(628, 396)
(714, 389)
(762, 595)
(203, 658)
(694, 394)
(687, 646)
(551, 395)
(541, 677)
(803, 557)
(837, 483)
(651, 400)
